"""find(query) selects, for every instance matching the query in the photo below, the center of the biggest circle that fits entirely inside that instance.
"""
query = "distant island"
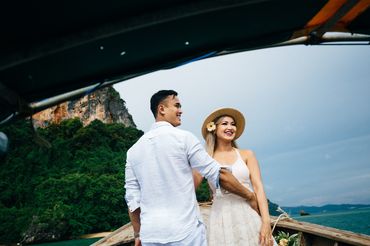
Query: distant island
(303, 213)
(307, 210)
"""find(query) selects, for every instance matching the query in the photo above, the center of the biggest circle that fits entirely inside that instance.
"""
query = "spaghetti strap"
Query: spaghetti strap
(238, 153)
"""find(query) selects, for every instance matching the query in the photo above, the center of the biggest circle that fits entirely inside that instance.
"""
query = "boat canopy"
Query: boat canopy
(54, 51)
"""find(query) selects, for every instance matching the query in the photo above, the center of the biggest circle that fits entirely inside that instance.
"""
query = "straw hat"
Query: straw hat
(235, 114)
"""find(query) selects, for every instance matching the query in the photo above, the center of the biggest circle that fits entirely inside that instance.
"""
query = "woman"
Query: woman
(232, 219)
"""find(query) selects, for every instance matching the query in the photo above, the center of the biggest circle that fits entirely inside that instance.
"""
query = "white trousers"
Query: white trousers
(197, 237)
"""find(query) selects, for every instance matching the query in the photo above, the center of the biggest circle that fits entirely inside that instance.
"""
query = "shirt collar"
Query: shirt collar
(160, 124)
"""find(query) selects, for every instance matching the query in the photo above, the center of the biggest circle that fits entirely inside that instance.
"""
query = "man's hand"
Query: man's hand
(231, 184)
(137, 242)
(135, 221)
(254, 203)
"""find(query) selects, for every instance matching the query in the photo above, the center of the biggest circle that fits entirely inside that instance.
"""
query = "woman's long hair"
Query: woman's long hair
(211, 139)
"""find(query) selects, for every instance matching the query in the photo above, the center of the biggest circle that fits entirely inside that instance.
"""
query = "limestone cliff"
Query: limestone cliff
(104, 104)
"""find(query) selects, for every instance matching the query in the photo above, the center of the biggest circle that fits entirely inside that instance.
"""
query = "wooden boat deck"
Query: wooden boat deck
(311, 234)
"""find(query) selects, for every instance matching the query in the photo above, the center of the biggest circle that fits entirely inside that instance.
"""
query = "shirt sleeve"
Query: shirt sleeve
(132, 187)
(201, 161)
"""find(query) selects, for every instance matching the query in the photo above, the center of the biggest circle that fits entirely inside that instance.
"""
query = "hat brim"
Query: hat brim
(235, 114)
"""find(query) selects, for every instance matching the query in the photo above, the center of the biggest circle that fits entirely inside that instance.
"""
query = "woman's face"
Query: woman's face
(225, 128)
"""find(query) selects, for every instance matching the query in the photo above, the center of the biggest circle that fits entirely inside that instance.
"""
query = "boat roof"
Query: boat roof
(57, 51)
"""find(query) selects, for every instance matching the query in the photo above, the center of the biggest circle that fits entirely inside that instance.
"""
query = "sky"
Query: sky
(307, 111)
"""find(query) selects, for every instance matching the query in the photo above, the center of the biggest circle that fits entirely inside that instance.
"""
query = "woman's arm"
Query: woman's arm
(255, 175)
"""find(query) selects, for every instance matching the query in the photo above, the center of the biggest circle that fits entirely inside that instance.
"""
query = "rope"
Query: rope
(283, 215)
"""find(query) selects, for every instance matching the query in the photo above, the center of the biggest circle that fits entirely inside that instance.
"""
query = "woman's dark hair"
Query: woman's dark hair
(158, 97)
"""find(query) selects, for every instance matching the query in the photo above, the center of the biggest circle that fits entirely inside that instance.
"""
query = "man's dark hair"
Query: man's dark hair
(158, 97)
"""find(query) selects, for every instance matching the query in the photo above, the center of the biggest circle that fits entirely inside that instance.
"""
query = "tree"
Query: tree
(72, 188)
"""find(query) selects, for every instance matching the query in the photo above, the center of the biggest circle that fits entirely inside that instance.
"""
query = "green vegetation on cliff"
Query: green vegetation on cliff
(72, 188)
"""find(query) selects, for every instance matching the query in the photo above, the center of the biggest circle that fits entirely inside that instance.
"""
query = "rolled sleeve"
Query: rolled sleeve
(202, 161)
(132, 187)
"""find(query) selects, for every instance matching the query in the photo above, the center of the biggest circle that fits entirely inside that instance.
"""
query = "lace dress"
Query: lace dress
(232, 221)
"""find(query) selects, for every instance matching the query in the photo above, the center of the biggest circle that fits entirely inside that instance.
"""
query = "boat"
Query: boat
(54, 54)
(309, 234)
(303, 213)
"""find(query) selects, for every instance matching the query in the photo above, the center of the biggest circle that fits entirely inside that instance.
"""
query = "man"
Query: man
(159, 182)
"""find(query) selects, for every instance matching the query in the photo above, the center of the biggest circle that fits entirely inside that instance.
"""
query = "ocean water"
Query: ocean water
(77, 242)
(356, 220)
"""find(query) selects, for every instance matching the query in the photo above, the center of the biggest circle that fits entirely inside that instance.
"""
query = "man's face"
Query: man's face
(171, 110)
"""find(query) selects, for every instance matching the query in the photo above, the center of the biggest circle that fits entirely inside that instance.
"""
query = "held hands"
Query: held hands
(266, 235)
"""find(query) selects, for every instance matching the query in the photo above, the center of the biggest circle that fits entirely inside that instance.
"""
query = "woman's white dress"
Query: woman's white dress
(232, 221)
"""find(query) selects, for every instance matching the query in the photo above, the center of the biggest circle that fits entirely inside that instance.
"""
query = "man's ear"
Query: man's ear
(161, 109)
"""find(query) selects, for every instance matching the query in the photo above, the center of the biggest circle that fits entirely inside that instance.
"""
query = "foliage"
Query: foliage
(13, 221)
(74, 187)
(203, 192)
(273, 208)
(284, 239)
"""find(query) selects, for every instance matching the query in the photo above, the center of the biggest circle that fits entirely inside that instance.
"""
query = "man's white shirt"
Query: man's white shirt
(159, 180)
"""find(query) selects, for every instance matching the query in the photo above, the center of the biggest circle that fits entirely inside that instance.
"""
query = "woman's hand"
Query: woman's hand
(266, 235)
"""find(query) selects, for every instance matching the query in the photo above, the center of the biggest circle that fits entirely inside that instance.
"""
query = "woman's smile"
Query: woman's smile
(229, 133)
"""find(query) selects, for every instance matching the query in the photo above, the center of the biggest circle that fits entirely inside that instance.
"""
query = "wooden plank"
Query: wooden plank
(123, 235)
(333, 234)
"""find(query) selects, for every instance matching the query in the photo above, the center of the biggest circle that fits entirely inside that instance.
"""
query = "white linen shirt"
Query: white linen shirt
(159, 180)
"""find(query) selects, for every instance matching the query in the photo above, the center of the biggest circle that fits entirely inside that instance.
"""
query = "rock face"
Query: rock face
(104, 105)
(36, 234)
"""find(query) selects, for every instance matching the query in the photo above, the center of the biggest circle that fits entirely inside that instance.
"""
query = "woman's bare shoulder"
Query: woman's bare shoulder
(246, 153)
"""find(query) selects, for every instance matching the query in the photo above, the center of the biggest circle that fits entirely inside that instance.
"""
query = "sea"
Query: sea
(356, 221)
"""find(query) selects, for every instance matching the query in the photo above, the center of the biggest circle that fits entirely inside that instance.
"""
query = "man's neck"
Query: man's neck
(158, 121)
